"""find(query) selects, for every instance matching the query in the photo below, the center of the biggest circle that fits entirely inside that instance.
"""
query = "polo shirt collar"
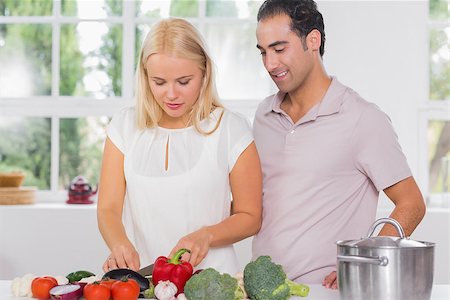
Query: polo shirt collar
(333, 99)
(275, 105)
(330, 104)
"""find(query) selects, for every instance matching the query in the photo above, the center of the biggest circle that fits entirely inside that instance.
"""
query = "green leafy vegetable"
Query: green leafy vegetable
(210, 284)
(265, 280)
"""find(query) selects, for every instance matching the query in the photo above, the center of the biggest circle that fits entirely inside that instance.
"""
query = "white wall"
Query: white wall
(377, 48)
(53, 239)
(56, 240)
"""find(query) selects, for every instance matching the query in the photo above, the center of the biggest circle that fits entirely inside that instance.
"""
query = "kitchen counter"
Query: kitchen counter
(317, 292)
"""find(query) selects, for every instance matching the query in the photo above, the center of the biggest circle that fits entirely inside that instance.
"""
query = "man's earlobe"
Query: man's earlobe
(315, 39)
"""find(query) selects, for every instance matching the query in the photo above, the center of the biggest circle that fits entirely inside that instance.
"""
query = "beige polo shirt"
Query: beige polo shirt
(321, 178)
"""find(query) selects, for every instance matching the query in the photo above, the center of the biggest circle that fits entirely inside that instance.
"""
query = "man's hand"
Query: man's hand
(330, 281)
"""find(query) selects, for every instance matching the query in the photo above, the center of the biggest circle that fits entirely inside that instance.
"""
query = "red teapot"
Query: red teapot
(80, 191)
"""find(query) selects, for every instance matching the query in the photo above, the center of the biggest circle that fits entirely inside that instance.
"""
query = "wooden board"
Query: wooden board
(17, 195)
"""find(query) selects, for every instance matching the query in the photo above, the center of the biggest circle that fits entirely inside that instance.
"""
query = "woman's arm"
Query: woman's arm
(245, 221)
(109, 211)
(246, 187)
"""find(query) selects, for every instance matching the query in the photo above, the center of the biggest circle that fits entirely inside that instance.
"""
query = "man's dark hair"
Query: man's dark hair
(304, 17)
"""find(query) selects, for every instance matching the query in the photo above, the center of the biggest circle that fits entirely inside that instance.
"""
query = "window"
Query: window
(436, 114)
(67, 66)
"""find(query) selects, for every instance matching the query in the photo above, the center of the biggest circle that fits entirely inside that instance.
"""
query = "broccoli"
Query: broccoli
(265, 280)
(210, 284)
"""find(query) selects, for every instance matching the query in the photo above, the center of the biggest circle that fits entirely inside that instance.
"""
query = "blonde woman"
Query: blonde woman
(172, 164)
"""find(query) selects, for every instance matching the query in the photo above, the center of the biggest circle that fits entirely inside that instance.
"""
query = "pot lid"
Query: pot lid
(385, 242)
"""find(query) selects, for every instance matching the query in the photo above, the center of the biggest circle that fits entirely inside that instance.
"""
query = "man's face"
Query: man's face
(283, 53)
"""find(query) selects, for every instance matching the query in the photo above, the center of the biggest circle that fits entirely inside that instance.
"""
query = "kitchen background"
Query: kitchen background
(67, 66)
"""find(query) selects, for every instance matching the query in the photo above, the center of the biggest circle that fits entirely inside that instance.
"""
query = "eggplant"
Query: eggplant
(118, 274)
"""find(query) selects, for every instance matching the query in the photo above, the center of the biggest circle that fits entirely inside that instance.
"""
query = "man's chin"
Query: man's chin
(283, 89)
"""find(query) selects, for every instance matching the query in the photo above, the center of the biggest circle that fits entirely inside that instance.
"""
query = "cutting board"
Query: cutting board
(17, 195)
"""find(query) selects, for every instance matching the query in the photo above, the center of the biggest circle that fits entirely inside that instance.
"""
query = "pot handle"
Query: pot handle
(377, 260)
(391, 221)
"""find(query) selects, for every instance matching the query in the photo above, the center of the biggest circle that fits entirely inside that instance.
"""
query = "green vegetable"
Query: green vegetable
(78, 275)
(265, 280)
(150, 292)
(210, 284)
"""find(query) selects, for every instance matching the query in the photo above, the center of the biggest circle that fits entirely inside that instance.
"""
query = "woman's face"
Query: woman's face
(175, 84)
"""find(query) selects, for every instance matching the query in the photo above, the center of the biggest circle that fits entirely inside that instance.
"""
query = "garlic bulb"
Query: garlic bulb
(165, 290)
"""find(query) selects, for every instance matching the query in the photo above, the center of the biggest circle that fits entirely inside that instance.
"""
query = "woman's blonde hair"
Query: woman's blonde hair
(177, 38)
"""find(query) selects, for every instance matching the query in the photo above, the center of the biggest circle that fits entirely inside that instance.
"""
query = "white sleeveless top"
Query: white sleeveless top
(161, 206)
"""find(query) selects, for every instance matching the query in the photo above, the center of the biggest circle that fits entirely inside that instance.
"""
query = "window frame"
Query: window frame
(431, 110)
(55, 106)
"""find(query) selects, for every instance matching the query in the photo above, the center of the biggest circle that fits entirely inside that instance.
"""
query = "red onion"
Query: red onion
(66, 292)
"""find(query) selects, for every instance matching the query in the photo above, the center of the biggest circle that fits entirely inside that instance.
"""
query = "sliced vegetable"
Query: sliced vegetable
(41, 286)
(78, 275)
(81, 284)
(66, 292)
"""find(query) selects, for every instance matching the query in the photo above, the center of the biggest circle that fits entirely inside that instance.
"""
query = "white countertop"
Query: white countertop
(317, 292)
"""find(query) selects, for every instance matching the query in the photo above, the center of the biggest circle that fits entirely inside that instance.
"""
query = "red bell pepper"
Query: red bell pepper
(173, 269)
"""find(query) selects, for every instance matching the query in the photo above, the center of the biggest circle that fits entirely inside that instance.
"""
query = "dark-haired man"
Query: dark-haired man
(326, 153)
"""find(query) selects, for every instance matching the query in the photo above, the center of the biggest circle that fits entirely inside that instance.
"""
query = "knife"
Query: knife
(146, 271)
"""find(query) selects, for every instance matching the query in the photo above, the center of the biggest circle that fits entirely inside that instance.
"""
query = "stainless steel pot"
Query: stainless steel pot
(388, 268)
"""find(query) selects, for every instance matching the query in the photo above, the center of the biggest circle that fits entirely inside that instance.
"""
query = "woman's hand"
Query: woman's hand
(123, 257)
(197, 242)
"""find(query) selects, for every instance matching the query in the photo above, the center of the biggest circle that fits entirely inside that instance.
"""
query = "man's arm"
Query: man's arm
(409, 206)
(409, 211)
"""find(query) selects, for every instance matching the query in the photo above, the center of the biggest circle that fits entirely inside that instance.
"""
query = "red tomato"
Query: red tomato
(96, 291)
(126, 289)
(52, 279)
(108, 282)
(41, 286)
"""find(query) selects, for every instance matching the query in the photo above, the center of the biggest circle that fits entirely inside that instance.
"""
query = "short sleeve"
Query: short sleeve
(119, 127)
(378, 153)
(239, 137)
